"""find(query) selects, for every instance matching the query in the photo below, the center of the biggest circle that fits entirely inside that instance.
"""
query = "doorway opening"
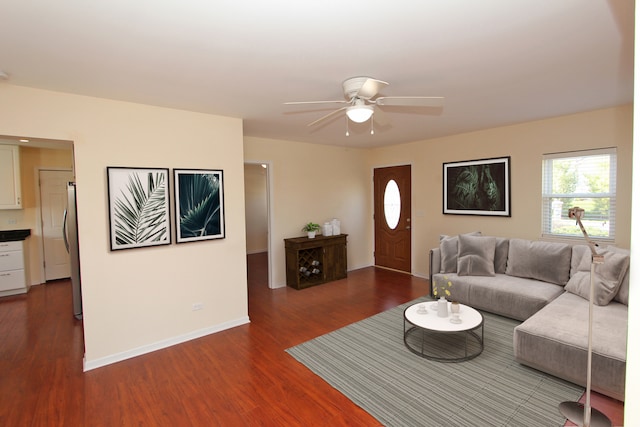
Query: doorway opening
(51, 166)
(36, 155)
(257, 216)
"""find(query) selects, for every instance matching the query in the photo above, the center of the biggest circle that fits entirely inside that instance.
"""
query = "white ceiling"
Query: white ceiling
(496, 62)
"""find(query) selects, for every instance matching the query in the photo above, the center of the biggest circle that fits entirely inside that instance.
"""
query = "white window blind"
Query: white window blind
(586, 179)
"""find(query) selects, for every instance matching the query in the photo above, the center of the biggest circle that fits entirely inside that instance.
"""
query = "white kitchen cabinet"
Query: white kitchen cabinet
(13, 278)
(10, 195)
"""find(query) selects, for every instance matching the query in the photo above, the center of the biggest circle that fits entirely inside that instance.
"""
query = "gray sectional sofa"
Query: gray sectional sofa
(545, 285)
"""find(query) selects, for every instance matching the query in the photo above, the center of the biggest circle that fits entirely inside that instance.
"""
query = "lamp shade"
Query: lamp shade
(359, 113)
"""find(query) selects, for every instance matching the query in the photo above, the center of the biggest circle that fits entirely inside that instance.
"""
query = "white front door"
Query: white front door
(53, 200)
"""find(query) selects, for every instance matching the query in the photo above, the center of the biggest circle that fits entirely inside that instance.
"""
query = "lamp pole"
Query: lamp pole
(584, 415)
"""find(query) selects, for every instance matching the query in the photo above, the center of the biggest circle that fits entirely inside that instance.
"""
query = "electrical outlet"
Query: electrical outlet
(197, 306)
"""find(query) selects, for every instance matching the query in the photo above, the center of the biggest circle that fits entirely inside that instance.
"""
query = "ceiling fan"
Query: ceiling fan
(361, 96)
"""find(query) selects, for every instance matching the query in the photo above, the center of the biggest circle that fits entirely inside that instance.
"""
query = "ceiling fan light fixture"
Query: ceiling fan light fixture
(359, 113)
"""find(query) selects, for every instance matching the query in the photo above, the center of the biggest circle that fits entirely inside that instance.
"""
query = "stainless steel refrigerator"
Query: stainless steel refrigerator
(70, 233)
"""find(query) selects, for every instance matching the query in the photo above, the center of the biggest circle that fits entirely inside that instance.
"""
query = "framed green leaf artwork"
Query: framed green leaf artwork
(199, 199)
(477, 187)
(138, 207)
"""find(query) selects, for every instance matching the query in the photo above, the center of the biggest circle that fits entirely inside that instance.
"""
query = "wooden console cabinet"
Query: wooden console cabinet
(314, 261)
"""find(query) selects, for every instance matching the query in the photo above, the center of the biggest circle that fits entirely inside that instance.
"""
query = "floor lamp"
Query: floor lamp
(584, 415)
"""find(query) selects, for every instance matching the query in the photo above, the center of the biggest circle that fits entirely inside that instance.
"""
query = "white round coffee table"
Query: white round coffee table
(438, 338)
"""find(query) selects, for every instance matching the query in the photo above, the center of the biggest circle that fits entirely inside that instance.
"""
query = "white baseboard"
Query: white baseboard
(358, 267)
(13, 292)
(420, 275)
(119, 357)
(256, 251)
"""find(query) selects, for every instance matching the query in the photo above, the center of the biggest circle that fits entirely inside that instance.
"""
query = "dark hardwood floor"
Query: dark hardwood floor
(238, 377)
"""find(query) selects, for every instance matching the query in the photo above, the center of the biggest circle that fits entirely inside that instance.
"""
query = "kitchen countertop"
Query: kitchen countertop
(13, 235)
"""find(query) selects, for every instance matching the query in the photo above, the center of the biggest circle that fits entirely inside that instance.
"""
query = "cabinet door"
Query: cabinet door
(12, 275)
(11, 281)
(10, 197)
(336, 261)
(11, 261)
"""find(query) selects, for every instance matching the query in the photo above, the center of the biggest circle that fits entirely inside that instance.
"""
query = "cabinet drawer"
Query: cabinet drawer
(11, 246)
(11, 261)
(12, 280)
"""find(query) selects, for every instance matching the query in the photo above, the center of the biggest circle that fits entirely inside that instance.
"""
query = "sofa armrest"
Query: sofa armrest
(434, 266)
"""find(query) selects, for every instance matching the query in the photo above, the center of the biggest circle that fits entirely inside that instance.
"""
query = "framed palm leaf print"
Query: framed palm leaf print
(138, 207)
(199, 199)
(477, 187)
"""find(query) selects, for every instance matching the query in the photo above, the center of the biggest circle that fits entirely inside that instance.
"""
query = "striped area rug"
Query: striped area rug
(368, 362)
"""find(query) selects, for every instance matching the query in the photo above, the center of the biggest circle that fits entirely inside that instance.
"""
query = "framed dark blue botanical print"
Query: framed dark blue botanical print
(199, 204)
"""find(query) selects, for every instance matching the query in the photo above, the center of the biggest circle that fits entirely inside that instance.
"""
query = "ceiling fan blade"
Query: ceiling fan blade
(327, 116)
(381, 118)
(370, 88)
(411, 101)
(315, 102)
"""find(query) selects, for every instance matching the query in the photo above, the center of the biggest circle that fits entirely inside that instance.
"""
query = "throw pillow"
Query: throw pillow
(449, 252)
(545, 261)
(580, 259)
(475, 255)
(606, 280)
(623, 293)
(502, 252)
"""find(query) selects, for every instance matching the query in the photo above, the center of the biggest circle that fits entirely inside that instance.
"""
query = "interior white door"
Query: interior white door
(53, 202)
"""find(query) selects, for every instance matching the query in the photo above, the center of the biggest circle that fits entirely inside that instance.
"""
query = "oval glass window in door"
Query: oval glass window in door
(392, 204)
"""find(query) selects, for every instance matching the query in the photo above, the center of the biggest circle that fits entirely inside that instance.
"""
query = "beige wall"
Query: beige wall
(525, 143)
(138, 300)
(305, 191)
(316, 183)
(255, 205)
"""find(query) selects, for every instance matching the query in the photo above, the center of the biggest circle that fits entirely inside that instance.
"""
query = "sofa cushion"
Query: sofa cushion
(509, 296)
(475, 255)
(555, 340)
(546, 261)
(607, 276)
(501, 255)
(449, 252)
(623, 293)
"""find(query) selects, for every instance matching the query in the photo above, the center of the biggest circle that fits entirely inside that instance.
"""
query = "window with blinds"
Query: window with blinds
(586, 179)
